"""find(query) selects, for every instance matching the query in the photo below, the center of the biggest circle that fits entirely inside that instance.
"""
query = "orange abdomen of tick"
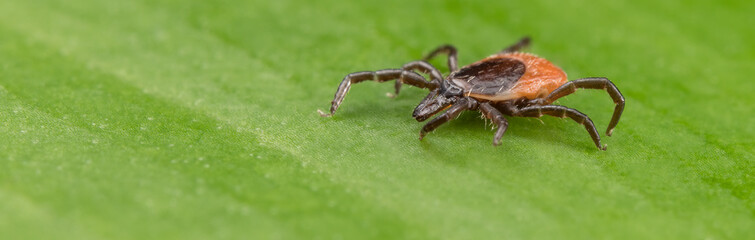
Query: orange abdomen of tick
(540, 78)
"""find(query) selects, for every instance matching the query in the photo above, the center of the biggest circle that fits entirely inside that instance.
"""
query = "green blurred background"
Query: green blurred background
(197, 120)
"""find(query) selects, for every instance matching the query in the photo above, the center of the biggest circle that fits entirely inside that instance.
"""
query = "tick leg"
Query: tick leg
(523, 43)
(562, 112)
(493, 114)
(451, 113)
(593, 83)
(447, 49)
(405, 76)
(423, 67)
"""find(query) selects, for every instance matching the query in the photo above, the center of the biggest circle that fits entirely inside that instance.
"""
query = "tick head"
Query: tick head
(432, 104)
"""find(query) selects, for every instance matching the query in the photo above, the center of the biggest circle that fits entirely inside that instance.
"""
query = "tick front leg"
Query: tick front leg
(493, 114)
(562, 112)
(523, 43)
(453, 65)
(451, 113)
(593, 83)
(423, 67)
(405, 76)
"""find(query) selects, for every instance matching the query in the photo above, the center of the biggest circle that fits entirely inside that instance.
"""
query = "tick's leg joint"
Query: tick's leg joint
(593, 83)
(561, 111)
(447, 49)
(523, 43)
(422, 67)
(406, 76)
(452, 112)
(496, 117)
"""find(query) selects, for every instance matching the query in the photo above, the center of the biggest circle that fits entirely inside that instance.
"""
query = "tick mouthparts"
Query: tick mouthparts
(416, 115)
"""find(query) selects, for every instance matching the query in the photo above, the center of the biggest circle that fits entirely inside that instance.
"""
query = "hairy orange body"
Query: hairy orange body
(540, 78)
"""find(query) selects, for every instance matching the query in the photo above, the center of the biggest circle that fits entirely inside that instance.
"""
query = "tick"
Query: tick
(510, 82)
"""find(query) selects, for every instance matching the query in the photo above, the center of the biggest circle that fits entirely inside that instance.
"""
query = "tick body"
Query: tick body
(509, 83)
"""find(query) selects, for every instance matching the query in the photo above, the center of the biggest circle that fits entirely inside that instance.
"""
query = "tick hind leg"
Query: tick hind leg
(523, 43)
(405, 76)
(562, 112)
(451, 113)
(453, 65)
(592, 83)
(494, 115)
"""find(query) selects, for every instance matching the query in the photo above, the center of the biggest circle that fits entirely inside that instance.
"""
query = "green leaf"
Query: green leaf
(197, 120)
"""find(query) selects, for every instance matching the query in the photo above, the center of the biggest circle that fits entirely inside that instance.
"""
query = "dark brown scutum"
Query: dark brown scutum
(491, 76)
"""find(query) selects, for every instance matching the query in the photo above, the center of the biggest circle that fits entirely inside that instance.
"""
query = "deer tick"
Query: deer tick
(509, 83)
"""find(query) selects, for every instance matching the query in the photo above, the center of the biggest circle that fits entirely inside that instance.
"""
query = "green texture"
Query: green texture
(197, 120)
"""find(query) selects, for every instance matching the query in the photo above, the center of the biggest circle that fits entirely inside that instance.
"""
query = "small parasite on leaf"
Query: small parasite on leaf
(508, 83)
